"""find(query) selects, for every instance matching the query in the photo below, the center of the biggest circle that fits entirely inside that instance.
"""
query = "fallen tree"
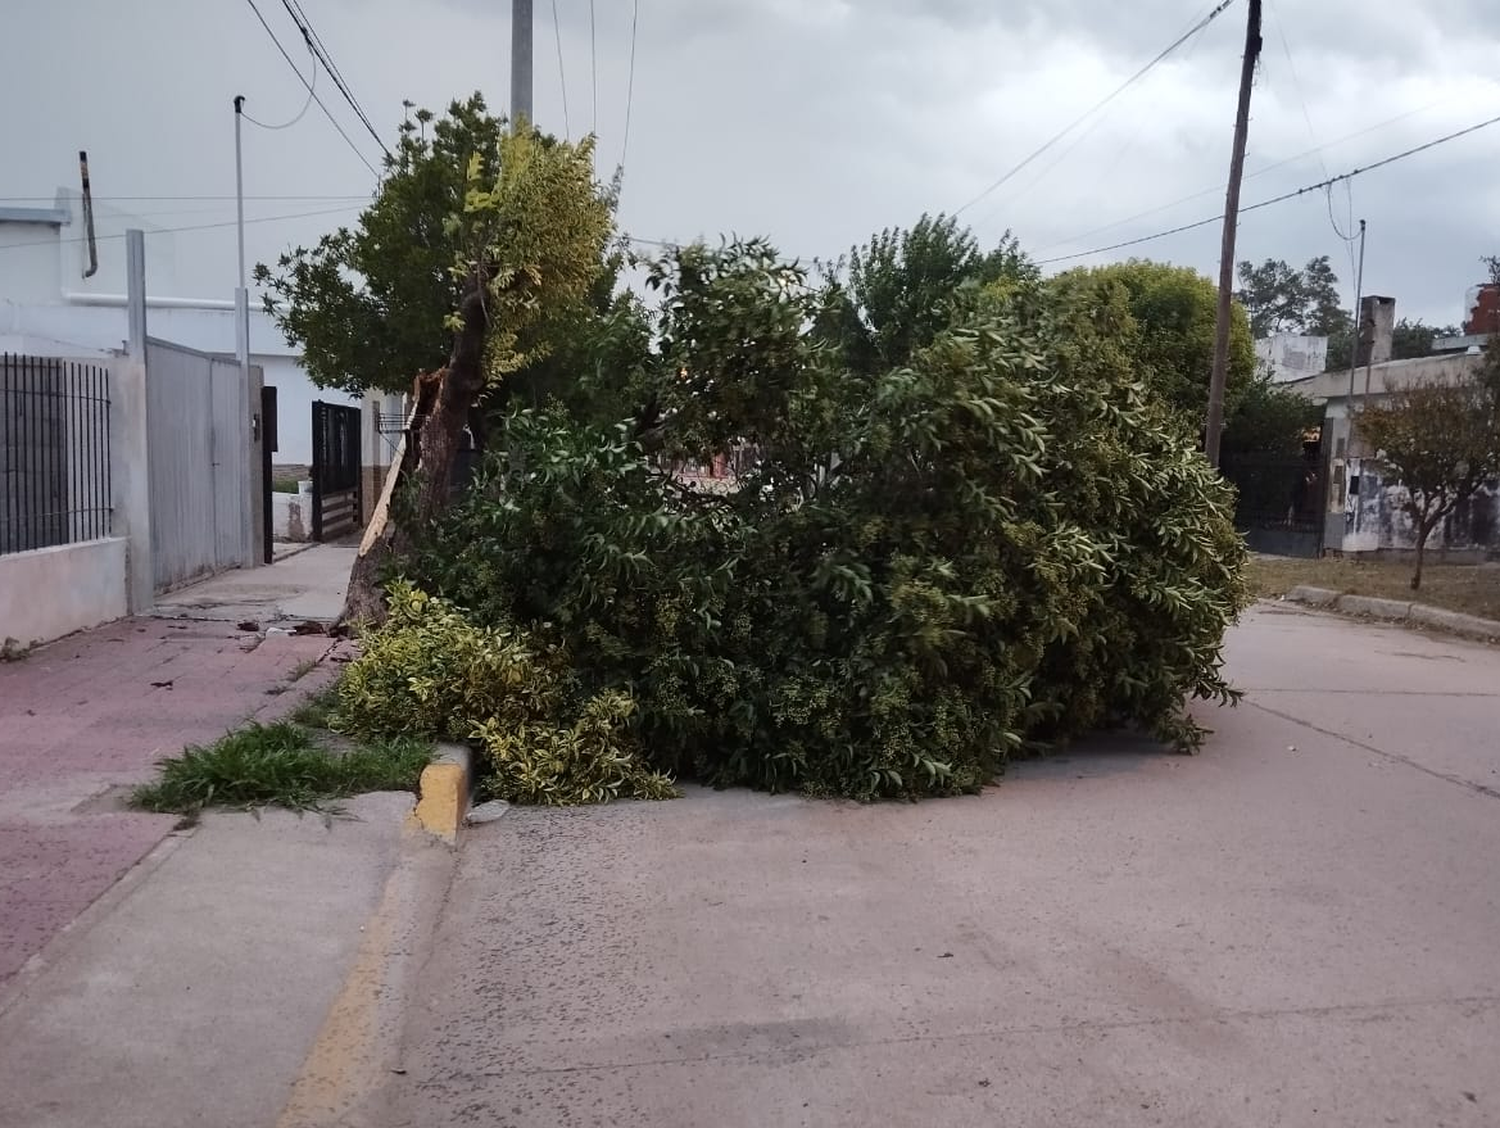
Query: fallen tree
(1001, 542)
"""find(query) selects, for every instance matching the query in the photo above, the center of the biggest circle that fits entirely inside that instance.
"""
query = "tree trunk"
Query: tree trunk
(1416, 580)
(438, 440)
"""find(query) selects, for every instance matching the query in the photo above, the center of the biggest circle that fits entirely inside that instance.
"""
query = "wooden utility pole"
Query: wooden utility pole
(1226, 254)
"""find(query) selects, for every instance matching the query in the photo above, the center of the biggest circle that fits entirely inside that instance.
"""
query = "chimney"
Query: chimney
(1377, 326)
(1482, 311)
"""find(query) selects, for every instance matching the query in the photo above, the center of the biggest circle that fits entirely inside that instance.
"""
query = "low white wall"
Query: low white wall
(50, 592)
(291, 514)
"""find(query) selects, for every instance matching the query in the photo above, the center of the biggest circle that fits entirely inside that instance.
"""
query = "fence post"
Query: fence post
(130, 470)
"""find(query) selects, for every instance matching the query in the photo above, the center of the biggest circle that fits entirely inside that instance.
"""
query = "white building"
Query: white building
(1290, 356)
(51, 305)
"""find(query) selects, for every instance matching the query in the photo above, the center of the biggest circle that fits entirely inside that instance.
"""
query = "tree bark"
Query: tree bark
(438, 440)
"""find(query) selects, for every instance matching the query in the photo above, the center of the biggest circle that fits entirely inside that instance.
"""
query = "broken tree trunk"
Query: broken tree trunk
(439, 418)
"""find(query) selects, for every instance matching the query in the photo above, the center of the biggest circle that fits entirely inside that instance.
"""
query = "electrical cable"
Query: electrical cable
(1219, 188)
(322, 54)
(189, 227)
(562, 78)
(635, 13)
(1281, 198)
(307, 105)
(321, 105)
(1129, 82)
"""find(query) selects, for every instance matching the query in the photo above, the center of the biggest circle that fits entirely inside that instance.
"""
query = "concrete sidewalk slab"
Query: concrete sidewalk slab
(308, 585)
(198, 997)
(1296, 927)
(85, 718)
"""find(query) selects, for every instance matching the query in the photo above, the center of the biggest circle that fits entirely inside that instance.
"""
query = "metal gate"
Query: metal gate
(336, 508)
(1281, 501)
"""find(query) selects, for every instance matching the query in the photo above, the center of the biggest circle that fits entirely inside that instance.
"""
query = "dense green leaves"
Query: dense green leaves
(925, 568)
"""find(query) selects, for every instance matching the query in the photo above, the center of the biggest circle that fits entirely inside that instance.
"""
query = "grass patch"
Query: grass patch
(1473, 589)
(279, 765)
(284, 485)
(317, 711)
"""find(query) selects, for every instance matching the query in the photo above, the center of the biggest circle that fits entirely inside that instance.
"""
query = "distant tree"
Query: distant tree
(895, 293)
(1281, 299)
(1269, 419)
(1170, 333)
(1443, 441)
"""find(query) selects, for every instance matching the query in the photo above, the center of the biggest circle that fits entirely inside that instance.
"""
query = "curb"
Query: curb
(1396, 611)
(445, 791)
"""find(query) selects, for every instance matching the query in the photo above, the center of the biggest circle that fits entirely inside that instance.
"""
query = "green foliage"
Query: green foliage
(1281, 299)
(1001, 542)
(906, 285)
(281, 765)
(1442, 440)
(370, 305)
(432, 672)
(1169, 331)
(1270, 419)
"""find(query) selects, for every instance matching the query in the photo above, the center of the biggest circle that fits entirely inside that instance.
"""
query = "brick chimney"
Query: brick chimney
(1377, 326)
(1482, 310)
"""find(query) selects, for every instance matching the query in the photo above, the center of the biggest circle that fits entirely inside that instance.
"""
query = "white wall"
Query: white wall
(50, 592)
(48, 308)
(1290, 356)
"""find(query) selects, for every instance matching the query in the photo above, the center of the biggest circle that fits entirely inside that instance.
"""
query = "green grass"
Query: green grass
(1471, 588)
(317, 711)
(284, 485)
(279, 765)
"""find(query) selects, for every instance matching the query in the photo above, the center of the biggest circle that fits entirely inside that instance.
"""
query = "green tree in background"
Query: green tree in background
(1170, 330)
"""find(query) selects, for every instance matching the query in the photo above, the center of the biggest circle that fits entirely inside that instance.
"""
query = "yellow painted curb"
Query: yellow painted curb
(443, 793)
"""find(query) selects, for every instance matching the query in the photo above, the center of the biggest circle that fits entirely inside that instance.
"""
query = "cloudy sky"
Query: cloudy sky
(814, 122)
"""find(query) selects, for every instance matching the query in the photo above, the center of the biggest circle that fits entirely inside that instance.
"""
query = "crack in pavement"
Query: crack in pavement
(1395, 757)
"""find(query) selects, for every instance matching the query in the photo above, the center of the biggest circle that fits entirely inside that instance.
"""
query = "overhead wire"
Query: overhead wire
(323, 55)
(305, 105)
(321, 104)
(1098, 120)
(635, 13)
(562, 77)
(1219, 188)
(1319, 186)
(185, 228)
(1076, 122)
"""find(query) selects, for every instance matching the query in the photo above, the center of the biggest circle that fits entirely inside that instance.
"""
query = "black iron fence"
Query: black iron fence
(54, 452)
(335, 470)
(1279, 501)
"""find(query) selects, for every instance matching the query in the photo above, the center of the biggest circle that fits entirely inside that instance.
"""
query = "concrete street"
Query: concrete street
(1299, 926)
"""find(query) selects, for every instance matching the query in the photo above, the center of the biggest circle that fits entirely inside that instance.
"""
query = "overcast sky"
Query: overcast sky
(814, 122)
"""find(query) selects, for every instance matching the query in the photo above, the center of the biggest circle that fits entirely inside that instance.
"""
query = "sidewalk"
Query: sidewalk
(85, 718)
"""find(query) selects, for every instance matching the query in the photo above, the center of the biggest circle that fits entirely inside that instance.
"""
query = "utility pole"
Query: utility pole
(1226, 254)
(520, 60)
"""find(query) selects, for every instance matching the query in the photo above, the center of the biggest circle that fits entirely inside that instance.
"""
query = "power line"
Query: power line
(562, 78)
(1248, 176)
(1319, 186)
(1129, 82)
(97, 198)
(635, 13)
(307, 105)
(594, 67)
(326, 112)
(1012, 198)
(322, 54)
(189, 227)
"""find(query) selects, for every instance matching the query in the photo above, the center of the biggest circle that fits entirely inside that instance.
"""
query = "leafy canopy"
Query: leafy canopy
(370, 305)
(1168, 330)
(928, 566)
